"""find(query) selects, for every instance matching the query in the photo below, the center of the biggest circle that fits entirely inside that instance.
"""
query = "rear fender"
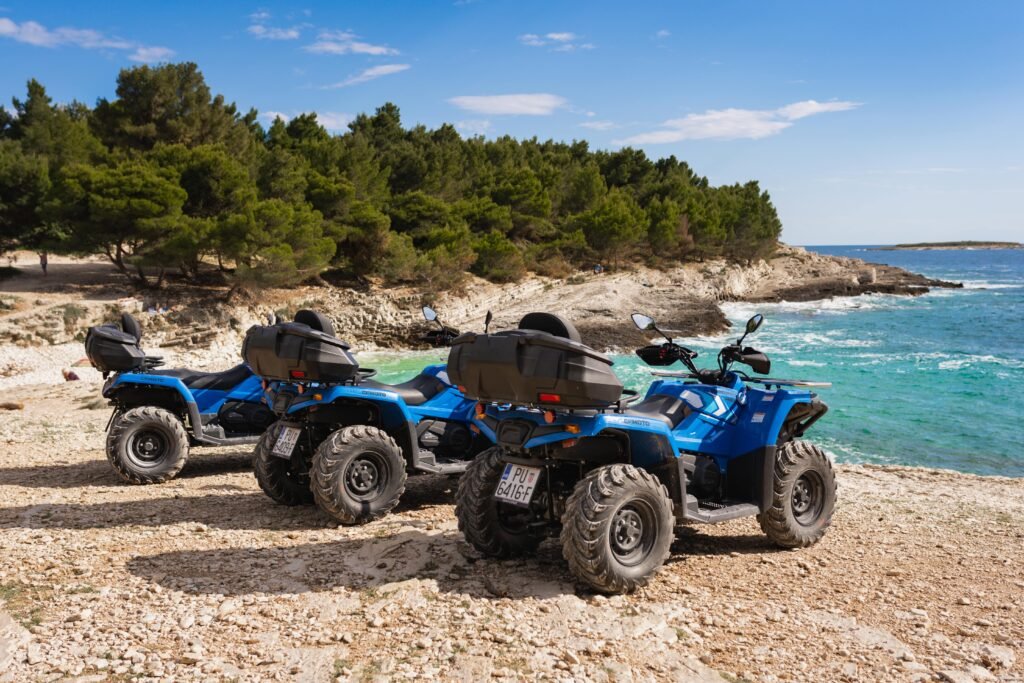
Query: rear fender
(129, 392)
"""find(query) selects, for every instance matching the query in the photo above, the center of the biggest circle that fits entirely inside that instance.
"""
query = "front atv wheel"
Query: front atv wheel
(492, 527)
(617, 528)
(147, 445)
(283, 480)
(358, 474)
(803, 496)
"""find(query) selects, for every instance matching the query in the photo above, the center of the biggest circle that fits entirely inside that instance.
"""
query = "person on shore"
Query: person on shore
(43, 261)
(69, 375)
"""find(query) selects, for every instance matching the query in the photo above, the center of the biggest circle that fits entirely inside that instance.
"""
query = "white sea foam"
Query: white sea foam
(986, 284)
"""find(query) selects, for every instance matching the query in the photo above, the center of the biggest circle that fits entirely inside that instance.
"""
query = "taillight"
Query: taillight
(297, 374)
(549, 398)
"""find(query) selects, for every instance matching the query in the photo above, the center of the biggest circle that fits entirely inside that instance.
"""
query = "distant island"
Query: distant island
(966, 244)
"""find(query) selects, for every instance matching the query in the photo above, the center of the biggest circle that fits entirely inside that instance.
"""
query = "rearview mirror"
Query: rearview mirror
(643, 322)
(754, 323)
(429, 314)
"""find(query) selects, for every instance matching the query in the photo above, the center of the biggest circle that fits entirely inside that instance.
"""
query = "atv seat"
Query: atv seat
(217, 381)
(416, 391)
(668, 409)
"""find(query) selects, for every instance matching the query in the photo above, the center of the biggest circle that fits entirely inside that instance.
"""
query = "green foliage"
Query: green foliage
(614, 225)
(283, 244)
(498, 259)
(167, 176)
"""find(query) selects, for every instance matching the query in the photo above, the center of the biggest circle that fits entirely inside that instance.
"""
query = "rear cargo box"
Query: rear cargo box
(528, 367)
(111, 350)
(293, 351)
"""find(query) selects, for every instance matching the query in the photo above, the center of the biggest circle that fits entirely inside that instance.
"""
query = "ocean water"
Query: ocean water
(935, 380)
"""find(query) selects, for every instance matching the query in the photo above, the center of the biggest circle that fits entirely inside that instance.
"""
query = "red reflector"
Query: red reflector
(549, 416)
(568, 443)
(549, 398)
(297, 374)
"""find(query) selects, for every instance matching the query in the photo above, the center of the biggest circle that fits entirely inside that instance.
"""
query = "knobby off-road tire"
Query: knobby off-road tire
(803, 496)
(147, 445)
(277, 476)
(617, 528)
(358, 474)
(495, 529)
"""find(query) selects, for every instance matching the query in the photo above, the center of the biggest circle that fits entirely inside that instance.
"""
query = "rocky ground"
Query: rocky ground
(921, 578)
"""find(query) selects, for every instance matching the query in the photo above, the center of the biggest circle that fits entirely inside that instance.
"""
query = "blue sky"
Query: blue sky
(868, 122)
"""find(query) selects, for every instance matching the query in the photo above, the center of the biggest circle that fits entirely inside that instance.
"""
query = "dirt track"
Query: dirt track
(920, 578)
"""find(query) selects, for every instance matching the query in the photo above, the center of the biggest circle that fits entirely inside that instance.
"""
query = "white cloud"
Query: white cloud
(530, 104)
(34, 33)
(474, 126)
(260, 15)
(151, 54)
(331, 120)
(734, 124)
(558, 41)
(346, 42)
(800, 110)
(368, 75)
(663, 33)
(599, 125)
(272, 33)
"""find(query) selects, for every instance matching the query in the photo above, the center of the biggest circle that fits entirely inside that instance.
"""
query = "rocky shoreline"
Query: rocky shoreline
(201, 327)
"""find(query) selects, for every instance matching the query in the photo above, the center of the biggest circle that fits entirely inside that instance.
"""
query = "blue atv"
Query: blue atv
(343, 440)
(160, 413)
(616, 473)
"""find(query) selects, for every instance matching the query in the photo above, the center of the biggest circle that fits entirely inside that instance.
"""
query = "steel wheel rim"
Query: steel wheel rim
(147, 447)
(366, 476)
(632, 532)
(808, 498)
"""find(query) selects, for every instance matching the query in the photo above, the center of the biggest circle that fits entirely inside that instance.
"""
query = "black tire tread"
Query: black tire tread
(775, 523)
(123, 422)
(272, 472)
(584, 531)
(473, 508)
(325, 470)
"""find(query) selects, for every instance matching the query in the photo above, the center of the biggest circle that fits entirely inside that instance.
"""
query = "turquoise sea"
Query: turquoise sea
(935, 381)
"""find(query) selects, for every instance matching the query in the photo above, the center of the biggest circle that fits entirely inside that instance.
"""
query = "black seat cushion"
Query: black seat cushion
(552, 324)
(219, 381)
(317, 321)
(668, 409)
(416, 391)
(130, 325)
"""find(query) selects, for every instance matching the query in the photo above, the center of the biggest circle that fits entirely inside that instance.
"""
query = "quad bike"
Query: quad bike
(347, 442)
(159, 413)
(614, 474)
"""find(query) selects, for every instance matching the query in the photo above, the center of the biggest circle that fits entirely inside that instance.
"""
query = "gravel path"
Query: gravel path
(204, 578)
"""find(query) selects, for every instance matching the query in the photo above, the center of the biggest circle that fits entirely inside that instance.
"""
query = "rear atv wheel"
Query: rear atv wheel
(283, 480)
(358, 474)
(617, 528)
(147, 445)
(492, 527)
(803, 496)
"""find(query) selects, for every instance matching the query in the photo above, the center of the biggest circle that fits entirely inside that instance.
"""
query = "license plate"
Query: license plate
(286, 441)
(517, 484)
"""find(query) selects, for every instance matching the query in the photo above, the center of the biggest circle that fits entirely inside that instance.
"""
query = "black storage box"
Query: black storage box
(297, 352)
(111, 350)
(528, 367)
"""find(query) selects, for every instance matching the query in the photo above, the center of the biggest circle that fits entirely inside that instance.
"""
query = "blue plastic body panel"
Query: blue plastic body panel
(448, 405)
(198, 402)
(724, 422)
